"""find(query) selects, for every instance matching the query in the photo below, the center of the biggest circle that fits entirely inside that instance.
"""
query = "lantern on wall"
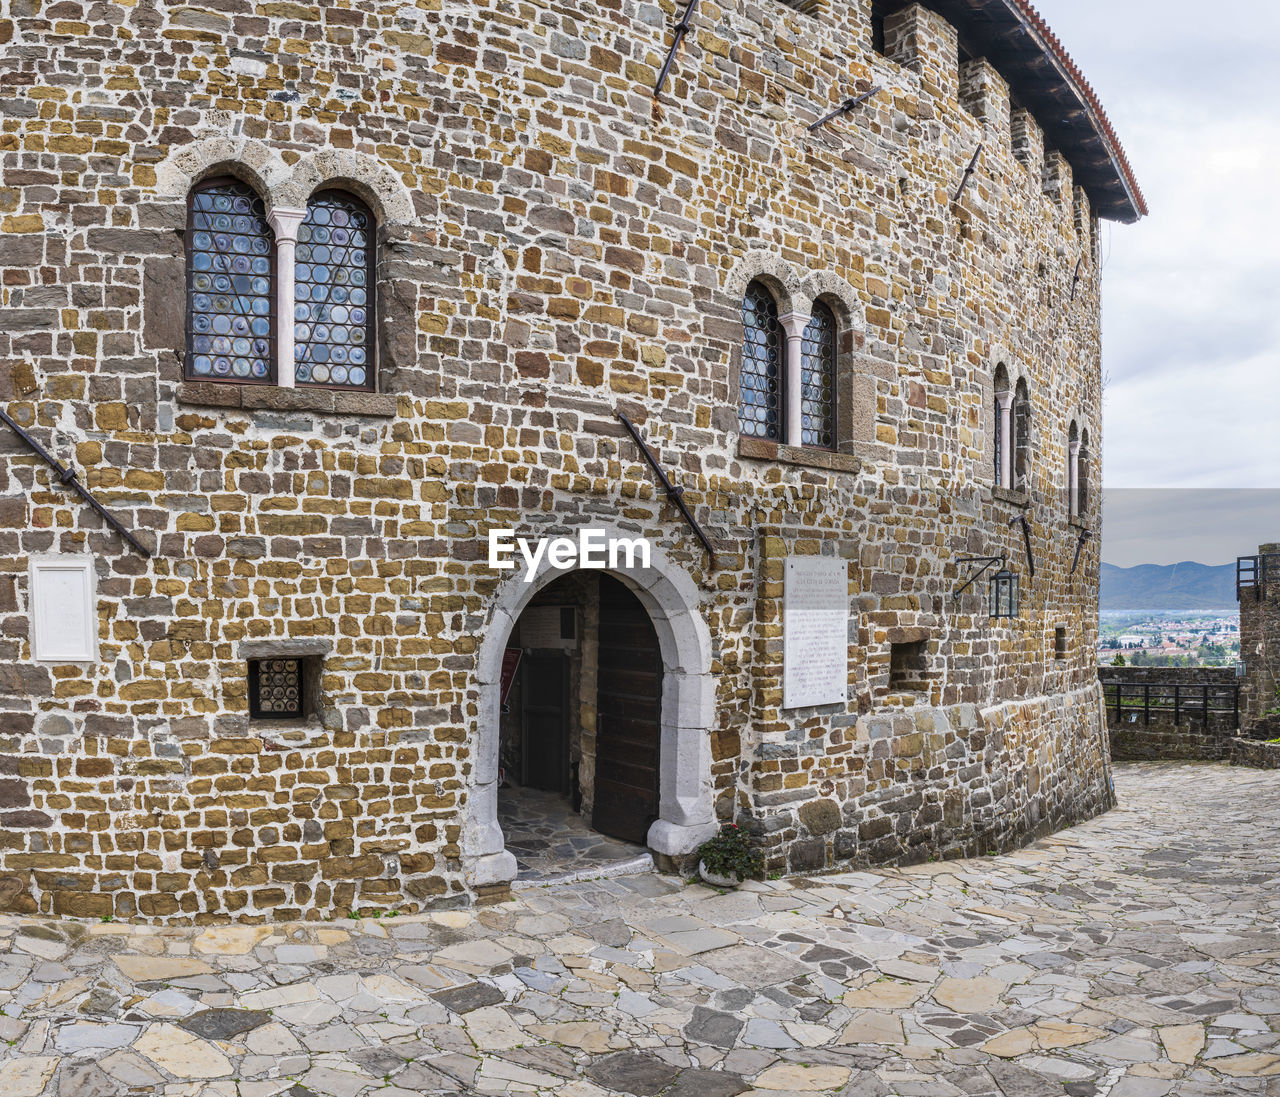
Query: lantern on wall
(1003, 599)
(1002, 587)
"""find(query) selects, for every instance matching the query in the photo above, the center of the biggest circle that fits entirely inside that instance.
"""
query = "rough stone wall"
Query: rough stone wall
(1165, 735)
(554, 245)
(1260, 643)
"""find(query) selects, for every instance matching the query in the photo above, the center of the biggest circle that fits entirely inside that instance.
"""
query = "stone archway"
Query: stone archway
(686, 815)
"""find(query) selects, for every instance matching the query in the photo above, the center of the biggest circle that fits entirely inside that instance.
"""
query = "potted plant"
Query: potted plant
(729, 858)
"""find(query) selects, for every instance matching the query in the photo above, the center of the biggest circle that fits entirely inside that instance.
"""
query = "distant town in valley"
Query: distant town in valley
(1169, 615)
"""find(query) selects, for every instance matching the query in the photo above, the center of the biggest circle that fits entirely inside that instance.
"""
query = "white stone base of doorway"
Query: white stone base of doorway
(665, 837)
(633, 866)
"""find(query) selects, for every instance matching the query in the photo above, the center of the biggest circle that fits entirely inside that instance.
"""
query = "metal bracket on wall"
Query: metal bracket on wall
(844, 108)
(682, 28)
(984, 564)
(1026, 540)
(674, 493)
(1075, 278)
(68, 478)
(1084, 536)
(964, 182)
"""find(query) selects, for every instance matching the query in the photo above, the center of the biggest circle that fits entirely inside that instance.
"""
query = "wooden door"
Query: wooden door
(544, 730)
(628, 710)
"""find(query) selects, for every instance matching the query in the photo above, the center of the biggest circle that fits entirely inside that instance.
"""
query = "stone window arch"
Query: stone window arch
(1021, 437)
(1073, 469)
(819, 349)
(761, 376)
(1003, 435)
(1082, 475)
(282, 296)
(231, 286)
(333, 310)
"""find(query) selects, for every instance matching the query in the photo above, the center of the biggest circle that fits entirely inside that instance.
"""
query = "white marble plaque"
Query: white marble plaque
(64, 611)
(815, 631)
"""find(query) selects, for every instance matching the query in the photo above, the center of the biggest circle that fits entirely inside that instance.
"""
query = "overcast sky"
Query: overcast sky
(1191, 294)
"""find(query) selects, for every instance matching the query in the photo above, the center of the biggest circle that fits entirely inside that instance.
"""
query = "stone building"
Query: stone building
(1258, 588)
(314, 298)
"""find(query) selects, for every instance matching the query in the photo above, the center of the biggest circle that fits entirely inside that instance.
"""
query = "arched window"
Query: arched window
(1003, 431)
(1082, 475)
(230, 285)
(818, 379)
(1021, 438)
(1073, 469)
(760, 379)
(333, 293)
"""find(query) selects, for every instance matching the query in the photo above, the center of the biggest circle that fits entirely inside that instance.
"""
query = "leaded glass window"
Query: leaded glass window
(275, 689)
(818, 380)
(760, 379)
(230, 285)
(333, 293)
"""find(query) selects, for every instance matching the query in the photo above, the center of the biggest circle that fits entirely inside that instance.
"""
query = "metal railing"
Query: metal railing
(1253, 573)
(1192, 701)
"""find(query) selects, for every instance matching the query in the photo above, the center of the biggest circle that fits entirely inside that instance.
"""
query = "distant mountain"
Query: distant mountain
(1169, 586)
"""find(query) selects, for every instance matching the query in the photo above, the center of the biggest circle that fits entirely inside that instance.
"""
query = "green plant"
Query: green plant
(730, 853)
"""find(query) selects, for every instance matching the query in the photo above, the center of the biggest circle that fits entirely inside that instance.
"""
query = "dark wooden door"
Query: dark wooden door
(628, 710)
(544, 730)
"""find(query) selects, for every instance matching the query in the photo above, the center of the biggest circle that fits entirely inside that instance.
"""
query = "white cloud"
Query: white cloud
(1191, 335)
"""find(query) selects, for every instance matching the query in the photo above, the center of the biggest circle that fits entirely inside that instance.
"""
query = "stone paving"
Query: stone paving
(552, 842)
(1134, 956)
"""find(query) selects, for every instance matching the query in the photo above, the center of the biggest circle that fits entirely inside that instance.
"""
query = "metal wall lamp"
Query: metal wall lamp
(1002, 587)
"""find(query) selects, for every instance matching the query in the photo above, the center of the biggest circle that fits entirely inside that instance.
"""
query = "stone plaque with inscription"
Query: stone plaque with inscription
(815, 631)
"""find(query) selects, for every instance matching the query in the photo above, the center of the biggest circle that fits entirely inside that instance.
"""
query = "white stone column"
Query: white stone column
(1073, 476)
(285, 222)
(794, 324)
(1005, 471)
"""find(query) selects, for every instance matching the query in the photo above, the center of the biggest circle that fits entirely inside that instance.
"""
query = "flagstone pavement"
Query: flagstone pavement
(1134, 956)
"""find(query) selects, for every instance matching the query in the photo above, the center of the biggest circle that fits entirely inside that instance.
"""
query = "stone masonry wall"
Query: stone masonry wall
(1135, 737)
(554, 246)
(1260, 644)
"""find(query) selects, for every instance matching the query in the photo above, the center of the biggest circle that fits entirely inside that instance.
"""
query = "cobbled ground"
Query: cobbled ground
(1136, 955)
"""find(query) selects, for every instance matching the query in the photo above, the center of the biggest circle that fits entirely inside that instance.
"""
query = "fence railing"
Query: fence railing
(1254, 572)
(1191, 701)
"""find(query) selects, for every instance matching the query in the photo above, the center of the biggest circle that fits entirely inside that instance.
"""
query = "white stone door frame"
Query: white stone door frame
(686, 814)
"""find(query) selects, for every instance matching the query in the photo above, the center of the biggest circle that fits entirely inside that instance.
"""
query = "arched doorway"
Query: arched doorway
(580, 730)
(683, 688)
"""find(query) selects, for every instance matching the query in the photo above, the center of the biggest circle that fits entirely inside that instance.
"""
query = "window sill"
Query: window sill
(1007, 495)
(218, 394)
(1076, 522)
(762, 449)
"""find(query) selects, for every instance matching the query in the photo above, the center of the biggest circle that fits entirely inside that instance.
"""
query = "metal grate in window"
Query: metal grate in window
(333, 294)
(230, 284)
(818, 380)
(275, 689)
(760, 379)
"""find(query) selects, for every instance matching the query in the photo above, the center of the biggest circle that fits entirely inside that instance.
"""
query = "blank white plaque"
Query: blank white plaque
(64, 609)
(815, 631)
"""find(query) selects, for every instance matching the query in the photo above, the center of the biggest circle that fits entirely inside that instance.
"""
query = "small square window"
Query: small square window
(1060, 642)
(277, 689)
(908, 666)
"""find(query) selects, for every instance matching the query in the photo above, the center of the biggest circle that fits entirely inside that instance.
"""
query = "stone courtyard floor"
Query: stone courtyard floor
(1134, 956)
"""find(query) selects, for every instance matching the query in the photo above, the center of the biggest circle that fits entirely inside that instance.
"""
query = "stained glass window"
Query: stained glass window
(818, 380)
(230, 284)
(760, 379)
(333, 311)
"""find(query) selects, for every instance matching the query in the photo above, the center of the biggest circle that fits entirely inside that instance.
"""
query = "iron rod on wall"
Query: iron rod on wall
(682, 28)
(67, 476)
(674, 493)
